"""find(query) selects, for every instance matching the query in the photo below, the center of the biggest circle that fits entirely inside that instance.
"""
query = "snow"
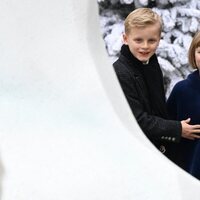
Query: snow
(181, 20)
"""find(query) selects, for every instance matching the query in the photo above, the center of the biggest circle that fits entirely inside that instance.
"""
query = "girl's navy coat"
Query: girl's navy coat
(183, 103)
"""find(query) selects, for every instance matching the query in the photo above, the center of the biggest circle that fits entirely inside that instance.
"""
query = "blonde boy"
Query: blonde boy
(141, 79)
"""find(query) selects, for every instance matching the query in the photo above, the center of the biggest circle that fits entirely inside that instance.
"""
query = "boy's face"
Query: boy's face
(143, 41)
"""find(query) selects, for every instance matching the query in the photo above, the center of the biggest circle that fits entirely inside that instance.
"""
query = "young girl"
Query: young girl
(184, 102)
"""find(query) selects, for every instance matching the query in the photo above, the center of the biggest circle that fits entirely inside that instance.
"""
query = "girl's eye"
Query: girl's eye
(198, 50)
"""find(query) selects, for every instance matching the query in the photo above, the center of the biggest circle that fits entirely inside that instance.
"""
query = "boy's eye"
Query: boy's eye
(152, 40)
(138, 40)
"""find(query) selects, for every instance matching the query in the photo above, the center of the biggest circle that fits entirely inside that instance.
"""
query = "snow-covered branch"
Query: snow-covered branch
(181, 20)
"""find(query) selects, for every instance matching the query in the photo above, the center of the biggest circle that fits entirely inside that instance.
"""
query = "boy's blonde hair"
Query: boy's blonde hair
(191, 53)
(141, 17)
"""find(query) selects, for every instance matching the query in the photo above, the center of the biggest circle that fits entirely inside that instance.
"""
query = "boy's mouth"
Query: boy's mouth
(144, 53)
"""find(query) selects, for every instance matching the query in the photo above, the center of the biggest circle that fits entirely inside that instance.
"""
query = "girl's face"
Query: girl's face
(197, 57)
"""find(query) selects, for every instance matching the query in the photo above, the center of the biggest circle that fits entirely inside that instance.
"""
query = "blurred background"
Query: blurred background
(181, 20)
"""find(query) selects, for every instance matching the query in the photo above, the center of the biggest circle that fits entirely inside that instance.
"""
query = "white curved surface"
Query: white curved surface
(66, 131)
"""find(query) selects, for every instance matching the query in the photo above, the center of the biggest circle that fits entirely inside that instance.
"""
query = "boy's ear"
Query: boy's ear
(125, 39)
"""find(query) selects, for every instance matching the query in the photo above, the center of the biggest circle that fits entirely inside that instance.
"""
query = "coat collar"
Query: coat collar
(151, 75)
(132, 59)
(194, 79)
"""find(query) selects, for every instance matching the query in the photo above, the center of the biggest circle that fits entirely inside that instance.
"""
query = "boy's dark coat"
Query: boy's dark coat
(144, 90)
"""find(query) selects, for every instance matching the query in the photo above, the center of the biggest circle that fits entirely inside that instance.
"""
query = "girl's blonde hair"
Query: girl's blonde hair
(141, 17)
(191, 53)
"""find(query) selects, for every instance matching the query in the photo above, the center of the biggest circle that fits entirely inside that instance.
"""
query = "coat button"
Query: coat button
(162, 149)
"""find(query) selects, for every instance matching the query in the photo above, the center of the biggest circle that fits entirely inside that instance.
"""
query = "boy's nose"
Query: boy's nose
(145, 44)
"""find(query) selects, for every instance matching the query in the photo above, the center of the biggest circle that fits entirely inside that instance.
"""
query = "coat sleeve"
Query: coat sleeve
(155, 128)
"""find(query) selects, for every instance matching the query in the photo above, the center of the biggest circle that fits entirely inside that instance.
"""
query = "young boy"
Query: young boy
(141, 79)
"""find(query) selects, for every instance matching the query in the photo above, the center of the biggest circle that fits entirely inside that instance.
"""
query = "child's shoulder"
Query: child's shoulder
(184, 84)
(120, 65)
(181, 85)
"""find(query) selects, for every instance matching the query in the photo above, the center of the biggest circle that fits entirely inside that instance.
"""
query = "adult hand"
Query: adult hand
(190, 131)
